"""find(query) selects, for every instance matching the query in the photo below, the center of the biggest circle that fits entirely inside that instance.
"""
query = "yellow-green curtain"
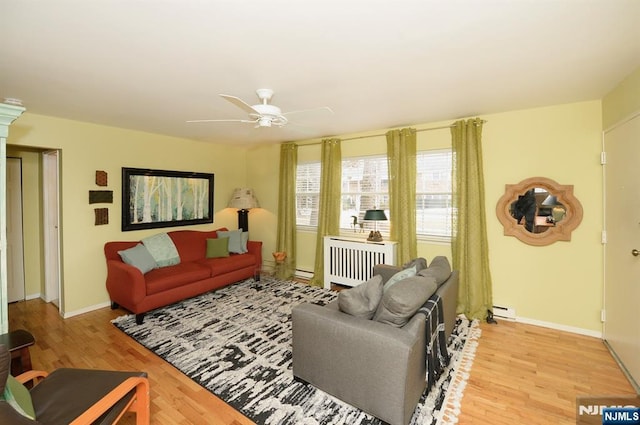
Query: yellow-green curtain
(329, 206)
(286, 237)
(469, 245)
(401, 156)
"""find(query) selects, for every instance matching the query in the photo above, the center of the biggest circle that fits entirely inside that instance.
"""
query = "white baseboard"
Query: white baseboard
(32, 296)
(68, 314)
(556, 326)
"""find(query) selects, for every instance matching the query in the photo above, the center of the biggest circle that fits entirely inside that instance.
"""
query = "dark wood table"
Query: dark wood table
(18, 343)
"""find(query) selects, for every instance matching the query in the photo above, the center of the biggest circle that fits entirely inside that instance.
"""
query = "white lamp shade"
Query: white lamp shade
(243, 199)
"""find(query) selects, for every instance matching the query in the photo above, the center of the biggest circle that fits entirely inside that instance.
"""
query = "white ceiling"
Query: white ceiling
(151, 65)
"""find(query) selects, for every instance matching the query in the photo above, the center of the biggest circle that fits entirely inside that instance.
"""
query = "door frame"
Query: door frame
(19, 232)
(627, 373)
(51, 206)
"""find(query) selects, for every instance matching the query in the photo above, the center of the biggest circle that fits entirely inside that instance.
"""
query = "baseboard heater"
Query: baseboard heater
(303, 274)
(501, 312)
(350, 261)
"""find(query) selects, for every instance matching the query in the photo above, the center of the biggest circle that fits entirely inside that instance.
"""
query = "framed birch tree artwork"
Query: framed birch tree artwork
(160, 198)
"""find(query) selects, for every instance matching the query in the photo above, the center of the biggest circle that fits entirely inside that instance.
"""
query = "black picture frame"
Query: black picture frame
(161, 198)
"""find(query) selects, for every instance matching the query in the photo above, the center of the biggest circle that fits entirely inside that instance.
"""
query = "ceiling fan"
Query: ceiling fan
(263, 114)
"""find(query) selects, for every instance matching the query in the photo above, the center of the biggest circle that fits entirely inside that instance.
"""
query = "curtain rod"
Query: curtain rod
(382, 134)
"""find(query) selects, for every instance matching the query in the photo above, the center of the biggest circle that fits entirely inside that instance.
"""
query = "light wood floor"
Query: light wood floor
(521, 373)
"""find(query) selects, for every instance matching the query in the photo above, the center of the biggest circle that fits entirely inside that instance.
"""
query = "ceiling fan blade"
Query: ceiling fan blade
(323, 109)
(240, 104)
(245, 121)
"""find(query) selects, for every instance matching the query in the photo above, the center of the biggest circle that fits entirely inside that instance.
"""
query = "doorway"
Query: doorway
(15, 238)
(51, 227)
(622, 250)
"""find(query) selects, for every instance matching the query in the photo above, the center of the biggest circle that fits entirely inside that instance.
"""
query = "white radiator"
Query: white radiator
(350, 261)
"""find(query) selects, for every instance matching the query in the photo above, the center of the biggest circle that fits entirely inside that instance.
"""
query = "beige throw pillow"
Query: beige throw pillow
(439, 269)
(400, 302)
(419, 263)
(362, 300)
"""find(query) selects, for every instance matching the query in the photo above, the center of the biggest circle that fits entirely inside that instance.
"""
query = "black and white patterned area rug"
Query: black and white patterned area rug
(236, 342)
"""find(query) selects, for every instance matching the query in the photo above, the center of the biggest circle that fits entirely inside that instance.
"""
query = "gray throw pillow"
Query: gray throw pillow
(403, 299)
(243, 243)
(362, 300)
(139, 257)
(439, 269)
(419, 263)
(237, 240)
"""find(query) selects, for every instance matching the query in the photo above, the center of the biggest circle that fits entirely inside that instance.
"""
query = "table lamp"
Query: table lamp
(375, 215)
(243, 199)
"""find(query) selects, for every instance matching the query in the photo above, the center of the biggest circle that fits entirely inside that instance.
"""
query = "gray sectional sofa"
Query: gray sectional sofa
(376, 364)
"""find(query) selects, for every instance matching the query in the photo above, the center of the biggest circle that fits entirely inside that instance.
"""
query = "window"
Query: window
(307, 193)
(433, 193)
(365, 185)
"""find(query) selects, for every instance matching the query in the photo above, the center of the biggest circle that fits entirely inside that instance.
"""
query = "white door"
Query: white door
(51, 228)
(15, 250)
(622, 250)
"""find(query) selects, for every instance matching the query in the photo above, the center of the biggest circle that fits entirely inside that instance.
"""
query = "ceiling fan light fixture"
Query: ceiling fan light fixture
(261, 115)
(268, 110)
(265, 95)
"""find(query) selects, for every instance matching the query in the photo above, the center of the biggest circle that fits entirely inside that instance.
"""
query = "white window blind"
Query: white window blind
(365, 186)
(307, 193)
(433, 193)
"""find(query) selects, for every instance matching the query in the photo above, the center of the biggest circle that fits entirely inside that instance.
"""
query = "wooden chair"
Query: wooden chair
(77, 396)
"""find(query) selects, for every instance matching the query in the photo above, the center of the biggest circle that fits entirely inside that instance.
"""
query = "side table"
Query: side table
(18, 343)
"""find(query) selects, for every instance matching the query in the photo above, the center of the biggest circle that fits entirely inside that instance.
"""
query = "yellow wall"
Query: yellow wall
(560, 283)
(622, 101)
(263, 164)
(86, 148)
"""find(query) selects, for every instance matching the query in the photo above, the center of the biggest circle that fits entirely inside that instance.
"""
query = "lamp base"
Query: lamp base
(243, 220)
(374, 236)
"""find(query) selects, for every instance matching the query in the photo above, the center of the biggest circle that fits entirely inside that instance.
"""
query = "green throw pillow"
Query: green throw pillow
(218, 247)
(402, 274)
(18, 397)
(139, 257)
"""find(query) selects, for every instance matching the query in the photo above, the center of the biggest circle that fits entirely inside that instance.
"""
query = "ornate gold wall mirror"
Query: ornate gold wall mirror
(539, 211)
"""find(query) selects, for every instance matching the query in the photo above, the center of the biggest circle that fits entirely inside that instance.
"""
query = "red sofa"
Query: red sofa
(194, 275)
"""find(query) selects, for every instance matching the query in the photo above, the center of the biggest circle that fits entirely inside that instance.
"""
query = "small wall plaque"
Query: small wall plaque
(102, 216)
(101, 196)
(101, 178)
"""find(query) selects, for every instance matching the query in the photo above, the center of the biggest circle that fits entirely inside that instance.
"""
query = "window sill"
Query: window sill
(432, 239)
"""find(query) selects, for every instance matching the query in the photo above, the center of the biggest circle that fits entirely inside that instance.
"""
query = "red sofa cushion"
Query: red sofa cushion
(192, 244)
(228, 264)
(164, 278)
